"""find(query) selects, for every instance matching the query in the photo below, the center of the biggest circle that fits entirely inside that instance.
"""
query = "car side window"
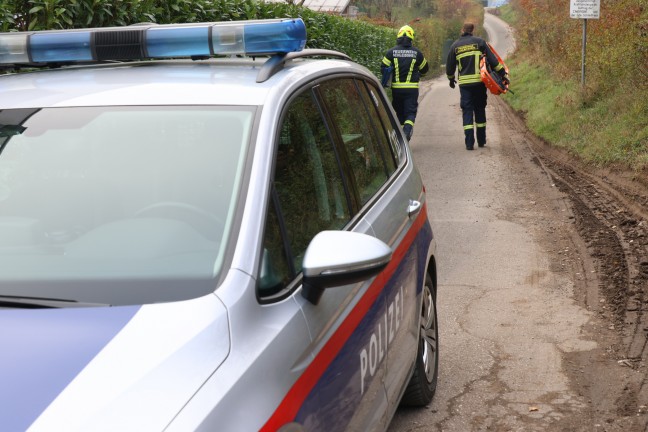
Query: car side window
(308, 190)
(349, 114)
(382, 136)
(276, 269)
(387, 122)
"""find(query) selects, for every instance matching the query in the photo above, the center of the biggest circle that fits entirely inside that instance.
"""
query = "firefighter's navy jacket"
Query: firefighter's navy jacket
(408, 64)
(465, 54)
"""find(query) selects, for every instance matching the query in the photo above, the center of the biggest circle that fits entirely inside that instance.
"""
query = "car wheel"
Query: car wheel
(422, 385)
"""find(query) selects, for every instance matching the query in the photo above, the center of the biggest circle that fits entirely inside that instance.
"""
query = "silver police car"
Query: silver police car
(206, 227)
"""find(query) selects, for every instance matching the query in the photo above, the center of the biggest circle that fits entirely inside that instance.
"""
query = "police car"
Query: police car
(206, 227)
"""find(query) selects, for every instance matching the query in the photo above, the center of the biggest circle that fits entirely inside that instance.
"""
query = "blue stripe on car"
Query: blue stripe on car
(43, 350)
(338, 390)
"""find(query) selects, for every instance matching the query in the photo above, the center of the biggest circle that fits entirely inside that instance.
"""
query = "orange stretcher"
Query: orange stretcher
(491, 79)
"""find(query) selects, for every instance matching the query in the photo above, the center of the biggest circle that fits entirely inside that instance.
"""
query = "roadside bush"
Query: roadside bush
(435, 31)
(616, 43)
(605, 121)
(363, 42)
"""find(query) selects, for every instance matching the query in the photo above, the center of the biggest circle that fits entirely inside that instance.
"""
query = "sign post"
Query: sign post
(584, 9)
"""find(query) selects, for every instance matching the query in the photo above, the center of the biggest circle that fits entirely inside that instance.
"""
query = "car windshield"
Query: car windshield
(126, 199)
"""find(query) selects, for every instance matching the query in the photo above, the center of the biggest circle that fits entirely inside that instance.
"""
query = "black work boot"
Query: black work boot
(409, 130)
(469, 139)
(481, 136)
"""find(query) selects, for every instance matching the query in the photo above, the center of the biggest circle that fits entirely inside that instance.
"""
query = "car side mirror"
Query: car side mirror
(336, 258)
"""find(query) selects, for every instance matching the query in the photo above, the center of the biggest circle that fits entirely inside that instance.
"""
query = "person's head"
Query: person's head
(406, 31)
(468, 27)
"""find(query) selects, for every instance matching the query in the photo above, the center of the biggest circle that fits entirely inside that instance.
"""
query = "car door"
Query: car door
(398, 217)
(310, 195)
(390, 196)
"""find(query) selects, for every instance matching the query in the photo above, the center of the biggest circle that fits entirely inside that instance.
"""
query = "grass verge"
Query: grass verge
(606, 126)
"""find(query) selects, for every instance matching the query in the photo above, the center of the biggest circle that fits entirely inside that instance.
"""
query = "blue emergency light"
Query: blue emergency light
(251, 38)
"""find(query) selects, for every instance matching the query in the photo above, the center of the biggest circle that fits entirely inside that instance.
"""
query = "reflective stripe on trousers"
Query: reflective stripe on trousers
(473, 108)
(405, 103)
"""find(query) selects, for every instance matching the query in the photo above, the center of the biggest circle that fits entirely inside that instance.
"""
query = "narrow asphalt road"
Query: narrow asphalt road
(507, 275)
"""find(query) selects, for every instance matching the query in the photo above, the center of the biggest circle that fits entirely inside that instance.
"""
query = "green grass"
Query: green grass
(507, 13)
(605, 129)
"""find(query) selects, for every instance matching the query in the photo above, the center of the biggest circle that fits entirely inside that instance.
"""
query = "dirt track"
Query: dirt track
(610, 261)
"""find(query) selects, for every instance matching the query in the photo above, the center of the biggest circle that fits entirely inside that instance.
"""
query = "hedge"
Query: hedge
(363, 42)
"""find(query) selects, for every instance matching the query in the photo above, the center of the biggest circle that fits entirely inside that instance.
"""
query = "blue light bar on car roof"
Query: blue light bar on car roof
(261, 37)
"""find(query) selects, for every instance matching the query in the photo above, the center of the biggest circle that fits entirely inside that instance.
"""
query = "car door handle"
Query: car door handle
(413, 208)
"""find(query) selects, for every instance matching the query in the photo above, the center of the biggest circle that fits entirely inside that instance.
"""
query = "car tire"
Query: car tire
(422, 385)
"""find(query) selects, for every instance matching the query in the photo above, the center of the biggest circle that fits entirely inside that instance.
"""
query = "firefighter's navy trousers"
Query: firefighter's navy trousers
(473, 108)
(405, 103)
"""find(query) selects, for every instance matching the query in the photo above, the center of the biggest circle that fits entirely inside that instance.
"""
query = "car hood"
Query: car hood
(107, 368)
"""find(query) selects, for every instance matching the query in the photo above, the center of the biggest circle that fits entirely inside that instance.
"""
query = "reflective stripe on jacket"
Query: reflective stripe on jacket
(409, 65)
(464, 56)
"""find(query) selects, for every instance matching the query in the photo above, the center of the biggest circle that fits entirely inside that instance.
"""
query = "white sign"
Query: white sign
(585, 9)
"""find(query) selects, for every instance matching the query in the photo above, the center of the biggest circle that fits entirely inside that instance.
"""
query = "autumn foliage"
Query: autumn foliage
(444, 26)
(603, 120)
(617, 43)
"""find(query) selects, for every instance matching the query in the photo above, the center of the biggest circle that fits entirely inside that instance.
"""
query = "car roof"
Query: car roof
(219, 81)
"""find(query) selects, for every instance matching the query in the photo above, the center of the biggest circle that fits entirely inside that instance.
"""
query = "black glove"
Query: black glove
(452, 83)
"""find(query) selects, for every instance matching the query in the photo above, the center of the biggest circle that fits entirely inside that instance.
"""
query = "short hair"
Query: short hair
(468, 27)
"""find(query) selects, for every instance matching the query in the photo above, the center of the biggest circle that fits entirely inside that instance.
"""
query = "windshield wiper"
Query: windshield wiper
(41, 303)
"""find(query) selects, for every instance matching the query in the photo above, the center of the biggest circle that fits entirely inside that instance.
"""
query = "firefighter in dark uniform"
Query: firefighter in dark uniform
(465, 54)
(406, 64)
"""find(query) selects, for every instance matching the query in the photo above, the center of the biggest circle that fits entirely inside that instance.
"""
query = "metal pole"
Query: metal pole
(583, 55)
